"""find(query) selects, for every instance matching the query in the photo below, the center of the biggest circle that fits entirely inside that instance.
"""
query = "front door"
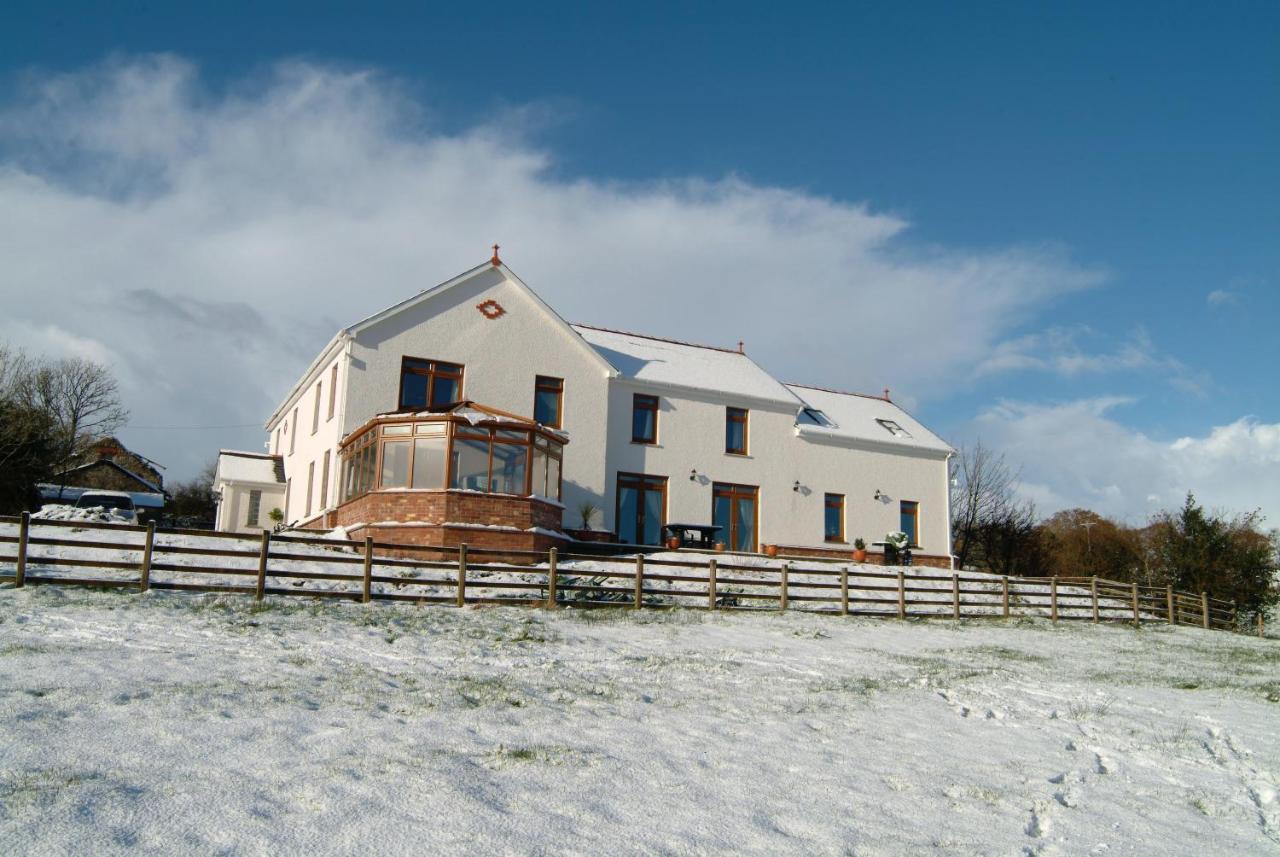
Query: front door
(733, 509)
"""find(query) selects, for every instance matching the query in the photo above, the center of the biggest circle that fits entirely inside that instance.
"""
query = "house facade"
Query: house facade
(247, 486)
(477, 387)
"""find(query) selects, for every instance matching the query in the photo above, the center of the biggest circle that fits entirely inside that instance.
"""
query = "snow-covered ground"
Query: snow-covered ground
(172, 723)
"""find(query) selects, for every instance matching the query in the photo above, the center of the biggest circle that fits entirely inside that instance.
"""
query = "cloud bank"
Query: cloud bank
(208, 243)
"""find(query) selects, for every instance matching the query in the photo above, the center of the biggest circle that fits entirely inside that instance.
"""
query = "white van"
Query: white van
(118, 503)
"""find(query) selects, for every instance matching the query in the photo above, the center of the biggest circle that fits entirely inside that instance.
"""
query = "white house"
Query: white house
(649, 431)
(248, 485)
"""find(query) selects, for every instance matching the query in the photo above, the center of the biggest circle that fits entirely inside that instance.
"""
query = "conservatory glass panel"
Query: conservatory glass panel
(470, 464)
(428, 462)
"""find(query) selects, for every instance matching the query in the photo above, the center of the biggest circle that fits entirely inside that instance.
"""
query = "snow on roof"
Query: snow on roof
(236, 466)
(683, 364)
(857, 416)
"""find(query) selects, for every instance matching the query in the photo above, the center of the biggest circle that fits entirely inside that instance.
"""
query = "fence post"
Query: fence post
(1093, 593)
(1053, 598)
(147, 546)
(462, 575)
(1204, 607)
(1168, 596)
(782, 595)
(24, 533)
(902, 595)
(1004, 595)
(639, 581)
(261, 587)
(955, 596)
(1137, 618)
(844, 592)
(366, 587)
(552, 572)
(711, 584)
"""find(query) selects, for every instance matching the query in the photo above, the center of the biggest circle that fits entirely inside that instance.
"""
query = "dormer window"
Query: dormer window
(893, 428)
(429, 384)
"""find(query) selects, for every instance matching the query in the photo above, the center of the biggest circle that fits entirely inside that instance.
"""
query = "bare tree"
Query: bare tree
(83, 399)
(985, 493)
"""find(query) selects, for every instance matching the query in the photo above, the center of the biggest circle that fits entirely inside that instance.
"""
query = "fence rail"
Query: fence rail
(360, 571)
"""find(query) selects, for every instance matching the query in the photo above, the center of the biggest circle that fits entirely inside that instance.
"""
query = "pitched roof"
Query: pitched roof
(858, 417)
(147, 483)
(237, 466)
(670, 362)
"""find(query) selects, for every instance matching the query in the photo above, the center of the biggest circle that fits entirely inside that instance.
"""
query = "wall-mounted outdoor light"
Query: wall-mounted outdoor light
(693, 475)
(796, 487)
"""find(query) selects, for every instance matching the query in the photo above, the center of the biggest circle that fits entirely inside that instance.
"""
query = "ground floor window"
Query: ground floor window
(834, 518)
(255, 508)
(734, 510)
(910, 525)
(642, 508)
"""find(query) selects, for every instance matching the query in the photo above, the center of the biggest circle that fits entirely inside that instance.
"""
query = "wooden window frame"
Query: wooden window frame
(645, 402)
(550, 384)
(254, 515)
(733, 490)
(839, 538)
(737, 415)
(333, 391)
(293, 435)
(315, 411)
(915, 514)
(642, 482)
(431, 372)
(311, 484)
(288, 490)
(324, 482)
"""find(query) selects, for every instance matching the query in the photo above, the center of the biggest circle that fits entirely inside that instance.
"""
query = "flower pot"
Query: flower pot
(674, 543)
(860, 555)
(770, 550)
(719, 547)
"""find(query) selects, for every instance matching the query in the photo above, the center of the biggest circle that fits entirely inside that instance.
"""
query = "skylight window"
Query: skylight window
(814, 417)
(893, 428)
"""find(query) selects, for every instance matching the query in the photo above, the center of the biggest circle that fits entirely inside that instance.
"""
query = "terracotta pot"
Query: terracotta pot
(770, 550)
(673, 543)
(719, 547)
(860, 555)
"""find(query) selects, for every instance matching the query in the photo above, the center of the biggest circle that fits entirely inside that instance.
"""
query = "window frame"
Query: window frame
(641, 483)
(914, 542)
(549, 384)
(293, 435)
(254, 511)
(324, 481)
(734, 415)
(315, 411)
(645, 402)
(333, 391)
(311, 484)
(735, 493)
(827, 504)
(432, 372)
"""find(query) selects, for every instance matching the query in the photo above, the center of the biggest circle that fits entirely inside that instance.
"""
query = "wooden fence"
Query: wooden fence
(362, 571)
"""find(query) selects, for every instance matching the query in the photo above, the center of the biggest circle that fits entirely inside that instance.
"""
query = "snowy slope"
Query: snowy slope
(177, 724)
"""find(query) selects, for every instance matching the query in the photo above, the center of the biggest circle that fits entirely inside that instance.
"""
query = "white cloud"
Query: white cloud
(1222, 297)
(1076, 454)
(212, 242)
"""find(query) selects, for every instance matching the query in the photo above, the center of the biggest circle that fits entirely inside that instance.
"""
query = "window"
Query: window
(255, 508)
(733, 510)
(642, 508)
(288, 489)
(276, 451)
(293, 436)
(735, 431)
(333, 390)
(644, 418)
(315, 411)
(427, 384)
(910, 524)
(834, 518)
(548, 397)
(324, 482)
(311, 480)
(395, 463)
(893, 428)
(814, 417)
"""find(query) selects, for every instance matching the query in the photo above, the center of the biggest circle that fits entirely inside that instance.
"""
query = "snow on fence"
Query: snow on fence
(63, 552)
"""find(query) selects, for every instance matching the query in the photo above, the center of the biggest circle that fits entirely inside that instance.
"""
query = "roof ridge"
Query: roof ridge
(660, 338)
(839, 392)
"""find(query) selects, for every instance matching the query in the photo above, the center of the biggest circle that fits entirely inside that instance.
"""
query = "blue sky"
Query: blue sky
(1129, 149)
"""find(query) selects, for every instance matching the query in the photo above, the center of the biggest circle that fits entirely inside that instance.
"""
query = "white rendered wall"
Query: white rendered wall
(234, 506)
(310, 447)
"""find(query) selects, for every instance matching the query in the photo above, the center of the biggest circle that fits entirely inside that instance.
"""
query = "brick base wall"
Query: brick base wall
(930, 560)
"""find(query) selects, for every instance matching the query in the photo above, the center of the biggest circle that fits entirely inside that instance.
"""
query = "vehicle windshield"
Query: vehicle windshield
(89, 501)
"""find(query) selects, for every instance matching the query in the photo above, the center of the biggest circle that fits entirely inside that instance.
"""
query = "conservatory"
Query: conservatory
(466, 467)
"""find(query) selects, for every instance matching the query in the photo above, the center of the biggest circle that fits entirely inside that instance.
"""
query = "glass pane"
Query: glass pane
(413, 390)
(368, 460)
(428, 462)
(546, 407)
(395, 464)
(553, 478)
(470, 464)
(652, 518)
(396, 430)
(720, 517)
(833, 521)
(539, 483)
(642, 424)
(746, 534)
(444, 391)
(628, 511)
(733, 436)
(508, 434)
(431, 429)
(509, 461)
(908, 521)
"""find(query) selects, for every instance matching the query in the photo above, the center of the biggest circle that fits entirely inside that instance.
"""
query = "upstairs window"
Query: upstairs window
(315, 411)
(735, 431)
(428, 384)
(893, 428)
(644, 418)
(910, 514)
(814, 417)
(834, 518)
(333, 390)
(548, 398)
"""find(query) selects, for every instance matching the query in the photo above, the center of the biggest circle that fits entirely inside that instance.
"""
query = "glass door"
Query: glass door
(642, 508)
(733, 509)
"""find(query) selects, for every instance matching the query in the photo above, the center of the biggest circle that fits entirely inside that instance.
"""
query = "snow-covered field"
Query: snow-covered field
(171, 723)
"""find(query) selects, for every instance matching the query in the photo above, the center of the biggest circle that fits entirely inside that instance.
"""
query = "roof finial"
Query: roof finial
(886, 395)
(740, 347)
(495, 260)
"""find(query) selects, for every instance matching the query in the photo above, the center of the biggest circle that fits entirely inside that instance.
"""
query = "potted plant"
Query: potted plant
(588, 511)
(859, 550)
(894, 544)
(276, 516)
(770, 550)
(720, 547)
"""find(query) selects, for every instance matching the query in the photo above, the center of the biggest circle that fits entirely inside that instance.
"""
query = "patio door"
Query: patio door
(642, 508)
(734, 510)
